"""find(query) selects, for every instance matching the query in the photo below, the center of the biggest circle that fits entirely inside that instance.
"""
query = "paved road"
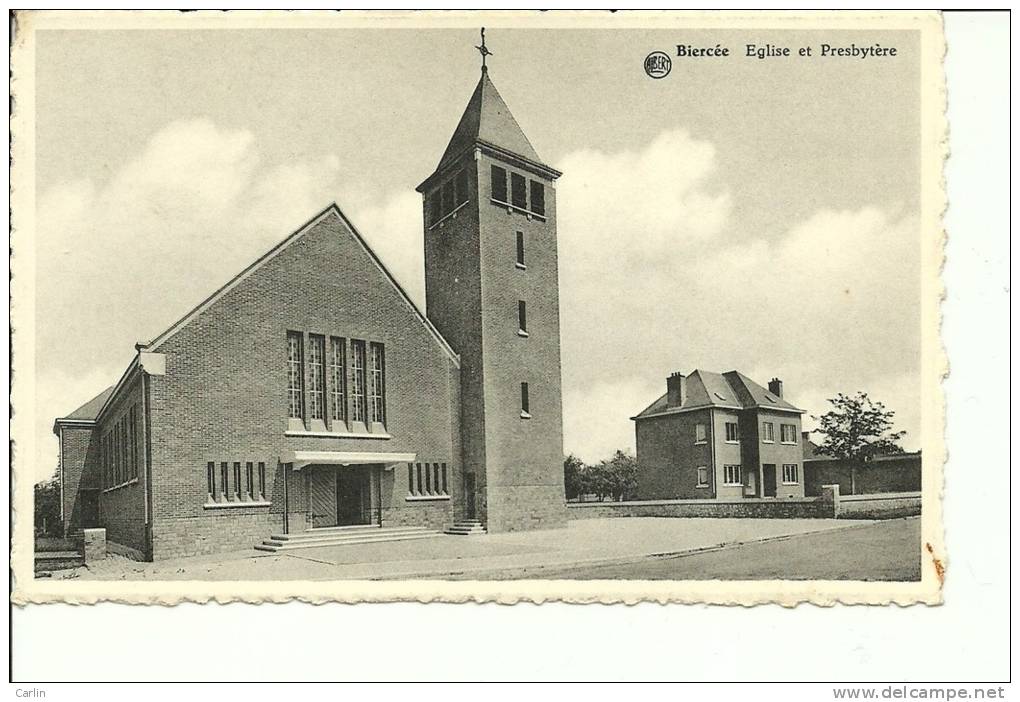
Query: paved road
(889, 550)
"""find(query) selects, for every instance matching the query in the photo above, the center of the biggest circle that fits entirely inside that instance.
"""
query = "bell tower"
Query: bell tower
(492, 290)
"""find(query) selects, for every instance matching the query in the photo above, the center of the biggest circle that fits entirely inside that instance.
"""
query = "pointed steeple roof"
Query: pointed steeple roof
(488, 122)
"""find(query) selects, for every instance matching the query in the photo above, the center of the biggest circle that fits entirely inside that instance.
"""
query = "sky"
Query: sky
(737, 214)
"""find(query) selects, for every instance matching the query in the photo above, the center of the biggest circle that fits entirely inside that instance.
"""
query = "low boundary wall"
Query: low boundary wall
(831, 505)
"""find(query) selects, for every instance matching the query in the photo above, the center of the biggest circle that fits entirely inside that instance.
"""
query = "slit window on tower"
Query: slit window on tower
(525, 400)
(520, 248)
(518, 191)
(499, 184)
(537, 198)
(461, 190)
(522, 316)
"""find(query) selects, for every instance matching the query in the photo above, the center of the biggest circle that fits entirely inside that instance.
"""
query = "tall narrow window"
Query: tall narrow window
(537, 198)
(295, 372)
(224, 486)
(210, 478)
(237, 480)
(435, 479)
(417, 467)
(249, 474)
(462, 186)
(520, 249)
(338, 379)
(428, 479)
(134, 440)
(118, 448)
(410, 478)
(522, 316)
(262, 480)
(525, 400)
(435, 206)
(446, 491)
(518, 191)
(316, 376)
(358, 399)
(377, 383)
(499, 184)
(448, 197)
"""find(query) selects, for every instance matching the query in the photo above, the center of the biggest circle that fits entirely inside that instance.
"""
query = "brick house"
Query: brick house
(719, 436)
(310, 393)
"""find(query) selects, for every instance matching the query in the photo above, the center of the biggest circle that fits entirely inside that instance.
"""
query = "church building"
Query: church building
(309, 399)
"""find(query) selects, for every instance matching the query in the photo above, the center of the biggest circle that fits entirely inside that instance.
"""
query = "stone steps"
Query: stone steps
(466, 527)
(343, 536)
(46, 561)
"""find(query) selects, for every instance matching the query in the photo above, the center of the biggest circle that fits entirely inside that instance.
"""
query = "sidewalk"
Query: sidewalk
(582, 542)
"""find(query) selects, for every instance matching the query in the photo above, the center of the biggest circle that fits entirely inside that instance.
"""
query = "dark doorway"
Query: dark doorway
(354, 496)
(769, 479)
(469, 496)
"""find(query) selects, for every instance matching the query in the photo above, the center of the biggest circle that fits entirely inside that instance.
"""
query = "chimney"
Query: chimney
(676, 389)
(776, 387)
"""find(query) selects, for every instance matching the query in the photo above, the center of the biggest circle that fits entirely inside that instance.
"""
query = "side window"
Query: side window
(518, 191)
(537, 198)
(499, 184)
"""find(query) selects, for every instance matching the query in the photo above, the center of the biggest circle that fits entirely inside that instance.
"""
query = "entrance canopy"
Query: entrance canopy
(299, 459)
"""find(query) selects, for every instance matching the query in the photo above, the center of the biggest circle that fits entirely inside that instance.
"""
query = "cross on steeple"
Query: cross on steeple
(484, 51)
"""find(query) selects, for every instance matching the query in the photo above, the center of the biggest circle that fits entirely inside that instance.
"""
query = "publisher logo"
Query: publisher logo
(657, 65)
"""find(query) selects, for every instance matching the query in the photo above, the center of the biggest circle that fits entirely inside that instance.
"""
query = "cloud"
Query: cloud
(124, 258)
(654, 279)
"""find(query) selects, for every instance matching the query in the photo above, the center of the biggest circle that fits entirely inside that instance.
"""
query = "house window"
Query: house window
(520, 249)
(295, 371)
(358, 389)
(702, 477)
(461, 183)
(134, 442)
(767, 432)
(499, 184)
(700, 433)
(262, 480)
(731, 475)
(522, 316)
(537, 198)
(249, 474)
(316, 376)
(525, 402)
(788, 433)
(518, 191)
(790, 472)
(338, 379)
(210, 478)
(732, 434)
(377, 384)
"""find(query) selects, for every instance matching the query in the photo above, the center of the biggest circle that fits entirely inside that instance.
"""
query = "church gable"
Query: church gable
(324, 270)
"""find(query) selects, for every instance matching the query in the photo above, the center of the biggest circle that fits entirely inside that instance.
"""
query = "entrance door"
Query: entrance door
(769, 479)
(469, 495)
(354, 496)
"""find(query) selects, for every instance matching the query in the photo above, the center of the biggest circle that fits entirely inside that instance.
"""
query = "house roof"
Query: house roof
(89, 411)
(488, 121)
(731, 390)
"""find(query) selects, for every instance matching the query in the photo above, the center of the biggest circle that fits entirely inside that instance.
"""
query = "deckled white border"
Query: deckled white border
(788, 593)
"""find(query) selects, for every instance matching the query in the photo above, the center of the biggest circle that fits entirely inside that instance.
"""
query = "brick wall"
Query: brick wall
(899, 474)
(668, 457)
(78, 458)
(223, 397)
(898, 504)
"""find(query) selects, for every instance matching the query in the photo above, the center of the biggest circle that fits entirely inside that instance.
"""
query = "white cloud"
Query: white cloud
(124, 258)
(653, 279)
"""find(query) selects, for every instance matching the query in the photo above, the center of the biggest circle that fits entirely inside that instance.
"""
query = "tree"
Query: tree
(47, 507)
(621, 475)
(574, 477)
(856, 429)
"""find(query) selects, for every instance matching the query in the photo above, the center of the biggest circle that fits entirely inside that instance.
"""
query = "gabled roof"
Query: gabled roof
(732, 390)
(88, 412)
(333, 209)
(488, 121)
